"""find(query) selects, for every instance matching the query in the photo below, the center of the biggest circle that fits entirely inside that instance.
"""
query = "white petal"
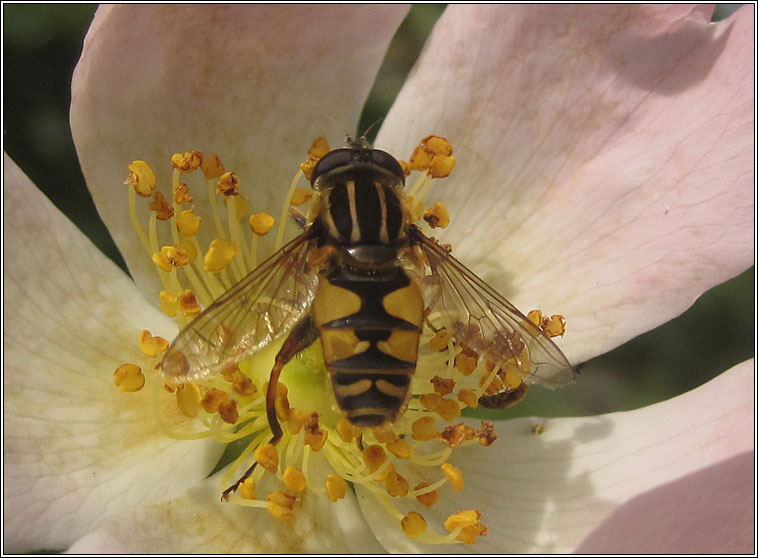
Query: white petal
(605, 156)
(545, 493)
(199, 523)
(76, 449)
(711, 511)
(254, 84)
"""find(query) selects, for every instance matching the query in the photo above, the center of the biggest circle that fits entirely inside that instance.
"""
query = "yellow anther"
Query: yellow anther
(441, 166)
(494, 386)
(182, 194)
(406, 166)
(315, 440)
(443, 386)
(440, 340)
(554, 326)
(168, 303)
(535, 316)
(282, 403)
(465, 362)
(424, 429)
(267, 457)
(454, 475)
(188, 399)
(213, 399)
(421, 158)
(170, 256)
(400, 448)
(161, 260)
(454, 436)
(187, 162)
(141, 178)
(228, 411)
(427, 498)
(129, 377)
(220, 253)
(437, 145)
(212, 167)
(152, 345)
(396, 485)
(468, 398)
(413, 524)
(347, 430)
(280, 505)
(243, 385)
(247, 489)
(163, 211)
(468, 534)
(315, 436)
(486, 433)
(430, 401)
(294, 479)
(448, 409)
(437, 216)
(336, 488)
(261, 223)
(463, 518)
(384, 433)
(468, 523)
(300, 196)
(295, 420)
(188, 304)
(228, 184)
(373, 457)
(188, 223)
(512, 379)
(319, 148)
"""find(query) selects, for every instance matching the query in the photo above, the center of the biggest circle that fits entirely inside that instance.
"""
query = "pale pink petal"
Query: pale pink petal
(255, 84)
(605, 156)
(711, 511)
(546, 493)
(198, 523)
(76, 448)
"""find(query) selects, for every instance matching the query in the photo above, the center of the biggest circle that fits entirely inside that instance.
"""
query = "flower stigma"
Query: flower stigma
(201, 251)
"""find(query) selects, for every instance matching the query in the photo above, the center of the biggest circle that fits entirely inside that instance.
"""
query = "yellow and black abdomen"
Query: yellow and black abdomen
(369, 324)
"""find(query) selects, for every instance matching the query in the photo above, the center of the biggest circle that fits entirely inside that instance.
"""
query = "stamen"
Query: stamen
(267, 458)
(336, 488)
(219, 254)
(280, 505)
(141, 178)
(294, 479)
(413, 524)
(188, 399)
(188, 223)
(151, 345)
(129, 377)
(454, 475)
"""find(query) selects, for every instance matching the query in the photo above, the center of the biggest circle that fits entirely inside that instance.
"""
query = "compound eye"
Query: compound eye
(388, 163)
(332, 160)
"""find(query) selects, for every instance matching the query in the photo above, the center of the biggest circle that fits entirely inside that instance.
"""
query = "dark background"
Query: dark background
(41, 46)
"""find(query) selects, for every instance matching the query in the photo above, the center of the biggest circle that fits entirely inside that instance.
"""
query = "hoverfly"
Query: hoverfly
(362, 279)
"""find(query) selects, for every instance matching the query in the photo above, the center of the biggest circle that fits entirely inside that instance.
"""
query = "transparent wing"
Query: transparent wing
(482, 319)
(261, 307)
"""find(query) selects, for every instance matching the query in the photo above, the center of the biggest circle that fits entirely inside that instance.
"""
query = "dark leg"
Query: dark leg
(301, 337)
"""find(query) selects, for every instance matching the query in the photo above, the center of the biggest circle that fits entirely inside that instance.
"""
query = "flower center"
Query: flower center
(403, 465)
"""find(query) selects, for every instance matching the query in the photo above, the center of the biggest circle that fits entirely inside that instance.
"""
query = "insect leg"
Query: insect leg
(301, 337)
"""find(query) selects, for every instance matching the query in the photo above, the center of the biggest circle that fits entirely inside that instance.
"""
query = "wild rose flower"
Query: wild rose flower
(604, 171)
